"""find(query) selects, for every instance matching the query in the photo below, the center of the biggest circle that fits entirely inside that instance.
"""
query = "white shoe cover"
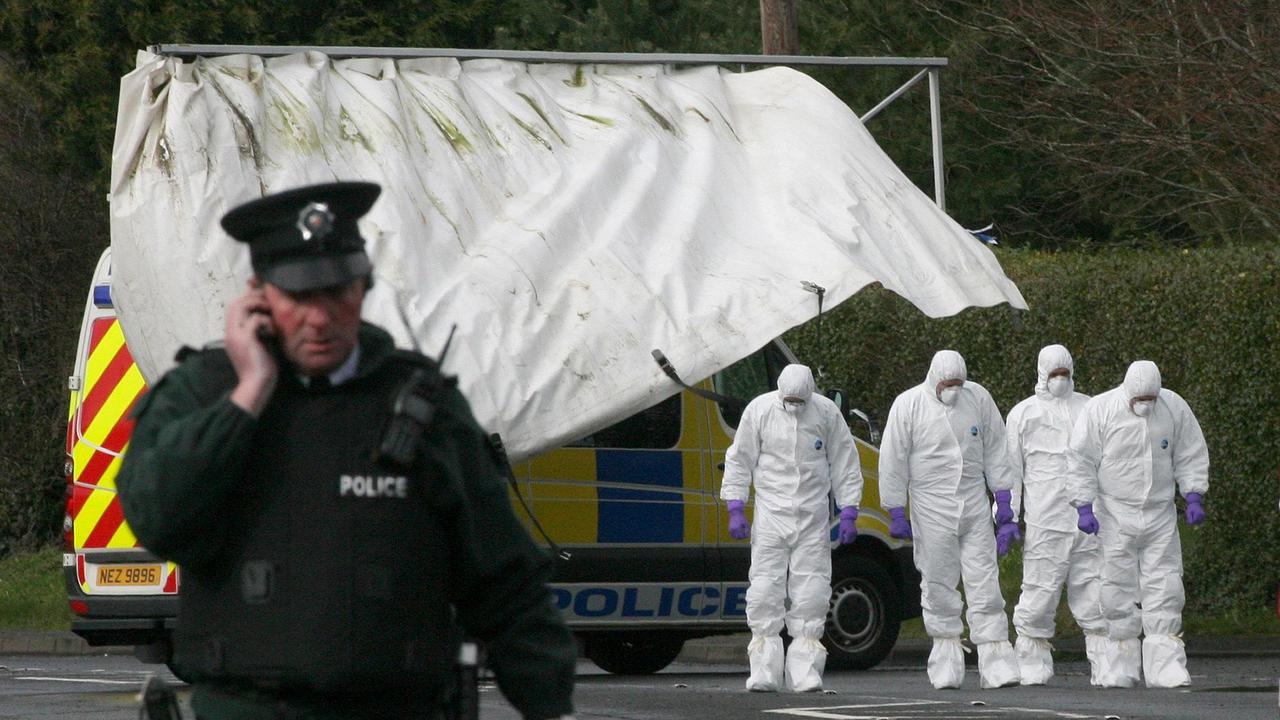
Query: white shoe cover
(997, 665)
(806, 659)
(1164, 661)
(1095, 648)
(1035, 660)
(765, 656)
(1122, 663)
(946, 663)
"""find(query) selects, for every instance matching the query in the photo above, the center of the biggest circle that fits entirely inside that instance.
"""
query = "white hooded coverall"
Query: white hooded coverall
(1054, 552)
(1127, 466)
(944, 458)
(796, 456)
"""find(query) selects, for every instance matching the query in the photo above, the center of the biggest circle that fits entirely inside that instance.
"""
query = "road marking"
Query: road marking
(824, 711)
(916, 710)
(81, 680)
(1056, 713)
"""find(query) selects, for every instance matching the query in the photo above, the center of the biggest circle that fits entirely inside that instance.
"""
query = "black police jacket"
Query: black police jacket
(308, 566)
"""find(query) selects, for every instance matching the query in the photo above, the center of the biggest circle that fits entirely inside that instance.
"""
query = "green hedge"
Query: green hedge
(1209, 318)
(52, 228)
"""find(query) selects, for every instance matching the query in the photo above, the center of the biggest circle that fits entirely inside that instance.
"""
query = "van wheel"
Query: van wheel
(633, 653)
(865, 614)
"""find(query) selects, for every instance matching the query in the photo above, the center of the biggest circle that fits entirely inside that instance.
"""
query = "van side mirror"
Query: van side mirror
(838, 397)
(872, 432)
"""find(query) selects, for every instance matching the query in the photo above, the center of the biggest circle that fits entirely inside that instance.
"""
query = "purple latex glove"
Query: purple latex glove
(899, 527)
(848, 530)
(738, 527)
(1004, 513)
(1005, 535)
(1195, 511)
(1087, 522)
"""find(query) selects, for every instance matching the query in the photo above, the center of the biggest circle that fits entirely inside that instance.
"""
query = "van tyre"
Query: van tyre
(865, 614)
(633, 653)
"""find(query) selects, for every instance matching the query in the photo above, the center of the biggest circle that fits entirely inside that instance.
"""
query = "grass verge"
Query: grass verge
(33, 593)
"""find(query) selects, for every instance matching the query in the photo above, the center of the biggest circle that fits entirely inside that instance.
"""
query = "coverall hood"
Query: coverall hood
(795, 381)
(946, 365)
(1051, 358)
(1143, 378)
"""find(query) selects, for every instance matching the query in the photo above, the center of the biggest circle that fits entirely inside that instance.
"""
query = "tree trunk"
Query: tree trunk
(779, 30)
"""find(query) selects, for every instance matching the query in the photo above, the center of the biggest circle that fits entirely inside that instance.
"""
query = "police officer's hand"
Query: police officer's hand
(256, 368)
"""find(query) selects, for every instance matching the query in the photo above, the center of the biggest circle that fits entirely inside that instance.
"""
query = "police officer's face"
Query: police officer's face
(317, 329)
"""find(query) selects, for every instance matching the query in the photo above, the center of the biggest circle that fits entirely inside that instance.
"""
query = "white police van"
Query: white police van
(651, 564)
(635, 505)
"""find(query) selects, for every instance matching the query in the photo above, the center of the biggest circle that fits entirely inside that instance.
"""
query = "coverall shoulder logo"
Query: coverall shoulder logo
(974, 431)
(1164, 443)
(817, 444)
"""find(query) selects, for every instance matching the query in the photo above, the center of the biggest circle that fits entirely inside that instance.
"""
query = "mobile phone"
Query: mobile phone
(272, 344)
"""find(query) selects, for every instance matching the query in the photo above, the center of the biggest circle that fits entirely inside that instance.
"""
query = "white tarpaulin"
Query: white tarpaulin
(569, 219)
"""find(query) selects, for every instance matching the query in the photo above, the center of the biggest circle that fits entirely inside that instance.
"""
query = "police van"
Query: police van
(646, 563)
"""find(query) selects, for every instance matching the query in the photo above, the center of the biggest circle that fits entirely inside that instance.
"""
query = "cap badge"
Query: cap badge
(315, 221)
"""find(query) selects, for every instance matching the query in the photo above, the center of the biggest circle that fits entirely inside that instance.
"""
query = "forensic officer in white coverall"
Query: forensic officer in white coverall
(944, 444)
(1055, 552)
(796, 448)
(1130, 448)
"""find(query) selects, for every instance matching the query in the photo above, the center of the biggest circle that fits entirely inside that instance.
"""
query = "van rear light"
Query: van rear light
(79, 607)
(102, 296)
(68, 533)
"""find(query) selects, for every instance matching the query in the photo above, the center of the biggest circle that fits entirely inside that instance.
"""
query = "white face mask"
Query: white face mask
(949, 395)
(1143, 408)
(793, 407)
(1059, 386)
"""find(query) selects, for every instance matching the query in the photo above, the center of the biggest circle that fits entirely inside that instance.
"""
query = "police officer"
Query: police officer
(322, 577)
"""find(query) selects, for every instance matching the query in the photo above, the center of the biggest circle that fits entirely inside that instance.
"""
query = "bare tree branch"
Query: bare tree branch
(1165, 112)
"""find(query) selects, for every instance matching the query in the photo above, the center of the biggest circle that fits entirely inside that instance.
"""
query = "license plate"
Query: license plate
(128, 575)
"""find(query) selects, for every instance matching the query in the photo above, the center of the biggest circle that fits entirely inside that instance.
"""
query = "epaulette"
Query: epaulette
(187, 351)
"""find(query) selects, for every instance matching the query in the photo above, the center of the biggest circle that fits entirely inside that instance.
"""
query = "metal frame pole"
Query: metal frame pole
(935, 120)
(340, 52)
(892, 96)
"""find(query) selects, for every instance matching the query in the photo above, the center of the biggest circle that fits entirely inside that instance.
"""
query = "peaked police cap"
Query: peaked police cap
(306, 238)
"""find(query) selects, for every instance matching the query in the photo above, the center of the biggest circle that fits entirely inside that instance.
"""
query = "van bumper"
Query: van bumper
(126, 620)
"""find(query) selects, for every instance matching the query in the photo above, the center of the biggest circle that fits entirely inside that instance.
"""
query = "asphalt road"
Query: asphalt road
(104, 686)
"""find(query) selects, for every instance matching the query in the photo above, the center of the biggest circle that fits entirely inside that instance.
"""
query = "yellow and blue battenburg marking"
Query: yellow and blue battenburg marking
(627, 496)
